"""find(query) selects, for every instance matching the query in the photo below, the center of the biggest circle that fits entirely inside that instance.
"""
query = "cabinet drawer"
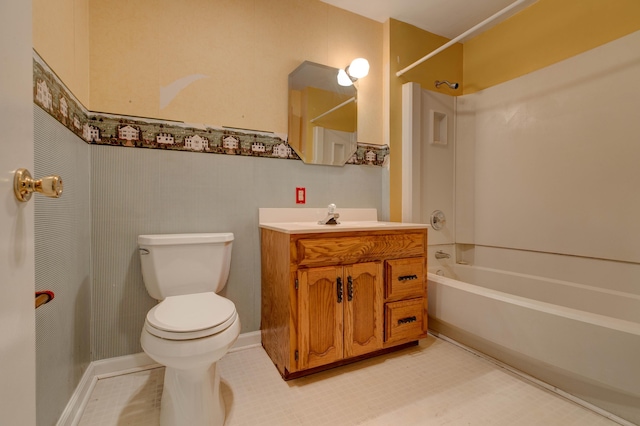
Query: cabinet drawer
(404, 320)
(343, 249)
(404, 278)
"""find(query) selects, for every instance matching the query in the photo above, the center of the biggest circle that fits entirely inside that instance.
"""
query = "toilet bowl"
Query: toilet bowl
(191, 394)
(189, 330)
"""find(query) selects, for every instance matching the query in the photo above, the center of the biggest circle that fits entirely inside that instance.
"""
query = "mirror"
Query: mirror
(322, 115)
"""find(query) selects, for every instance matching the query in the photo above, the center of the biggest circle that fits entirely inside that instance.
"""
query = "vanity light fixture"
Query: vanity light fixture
(344, 79)
(358, 68)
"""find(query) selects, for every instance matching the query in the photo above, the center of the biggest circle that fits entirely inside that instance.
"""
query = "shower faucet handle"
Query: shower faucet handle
(437, 220)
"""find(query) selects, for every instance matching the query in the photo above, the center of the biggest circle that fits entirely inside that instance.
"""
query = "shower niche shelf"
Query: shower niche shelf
(438, 125)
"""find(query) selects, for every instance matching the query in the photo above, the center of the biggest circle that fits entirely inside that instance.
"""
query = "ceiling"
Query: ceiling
(448, 18)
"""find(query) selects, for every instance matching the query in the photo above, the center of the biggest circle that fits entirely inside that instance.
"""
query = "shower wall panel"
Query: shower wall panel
(555, 158)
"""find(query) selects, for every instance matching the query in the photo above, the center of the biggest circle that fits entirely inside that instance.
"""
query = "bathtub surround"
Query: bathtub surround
(551, 158)
(429, 159)
(545, 184)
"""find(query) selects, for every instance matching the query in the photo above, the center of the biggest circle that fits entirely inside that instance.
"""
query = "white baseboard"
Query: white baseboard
(247, 340)
(123, 365)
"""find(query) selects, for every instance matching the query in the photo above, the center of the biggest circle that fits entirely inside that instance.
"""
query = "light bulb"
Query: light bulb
(343, 78)
(359, 68)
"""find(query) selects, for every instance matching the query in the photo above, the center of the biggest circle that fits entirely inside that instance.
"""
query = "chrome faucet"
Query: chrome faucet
(442, 255)
(332, 216)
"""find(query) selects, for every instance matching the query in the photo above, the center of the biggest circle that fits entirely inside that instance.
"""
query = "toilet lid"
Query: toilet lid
(203, 313)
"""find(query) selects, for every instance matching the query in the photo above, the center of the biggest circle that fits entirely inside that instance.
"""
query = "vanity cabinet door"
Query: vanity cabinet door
(340, 312)
(363, 317)
(320, 316)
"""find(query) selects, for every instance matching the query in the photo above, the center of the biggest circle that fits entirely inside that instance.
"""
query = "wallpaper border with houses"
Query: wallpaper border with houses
(56, 99)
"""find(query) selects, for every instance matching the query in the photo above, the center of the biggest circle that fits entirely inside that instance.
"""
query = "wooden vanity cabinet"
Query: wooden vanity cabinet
(333, 298)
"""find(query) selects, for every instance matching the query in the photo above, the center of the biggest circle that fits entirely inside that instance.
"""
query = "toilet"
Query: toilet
(192, 327)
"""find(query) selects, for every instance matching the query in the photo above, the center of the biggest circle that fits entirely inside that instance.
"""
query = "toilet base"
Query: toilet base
(192, 397)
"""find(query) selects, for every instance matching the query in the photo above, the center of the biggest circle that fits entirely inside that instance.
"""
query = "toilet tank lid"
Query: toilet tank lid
(169, 239)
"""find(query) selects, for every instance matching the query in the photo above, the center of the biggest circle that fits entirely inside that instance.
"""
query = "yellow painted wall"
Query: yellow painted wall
(244, 48)
(61, 38)
(547, 32)
(407, 44)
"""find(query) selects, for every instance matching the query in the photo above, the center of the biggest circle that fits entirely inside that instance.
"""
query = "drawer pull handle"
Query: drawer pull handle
(407, 320)
(349, 288)
(339, 289)
(407, 277)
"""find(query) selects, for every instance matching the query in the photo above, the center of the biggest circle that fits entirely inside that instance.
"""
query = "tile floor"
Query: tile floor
(435, 383)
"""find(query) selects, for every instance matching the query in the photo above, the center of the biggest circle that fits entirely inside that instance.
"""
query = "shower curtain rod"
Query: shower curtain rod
(461, 36)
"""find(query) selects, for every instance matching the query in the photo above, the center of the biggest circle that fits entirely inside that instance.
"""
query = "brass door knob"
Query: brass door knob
(24, 185)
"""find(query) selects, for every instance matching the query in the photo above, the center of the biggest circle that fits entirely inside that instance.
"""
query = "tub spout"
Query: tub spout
(442, 255)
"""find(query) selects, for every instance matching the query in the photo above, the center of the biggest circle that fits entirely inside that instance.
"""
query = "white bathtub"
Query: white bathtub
(580, 339)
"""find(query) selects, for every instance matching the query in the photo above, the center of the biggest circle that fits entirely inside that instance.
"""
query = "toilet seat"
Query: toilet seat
(190, 316)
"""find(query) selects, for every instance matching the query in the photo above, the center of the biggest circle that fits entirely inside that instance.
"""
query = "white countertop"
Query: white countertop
(314, 227)
(305, 220)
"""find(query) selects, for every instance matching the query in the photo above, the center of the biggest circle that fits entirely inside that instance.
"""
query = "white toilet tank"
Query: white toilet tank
(176, 264)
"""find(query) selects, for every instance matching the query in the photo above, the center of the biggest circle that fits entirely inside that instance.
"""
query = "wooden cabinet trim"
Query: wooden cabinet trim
(349, 247)
(363, 331)
(321, 317)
